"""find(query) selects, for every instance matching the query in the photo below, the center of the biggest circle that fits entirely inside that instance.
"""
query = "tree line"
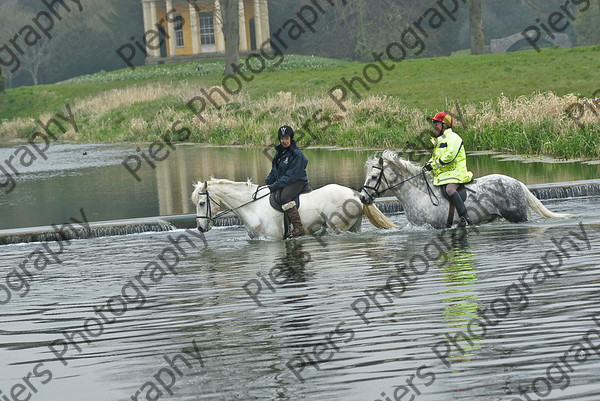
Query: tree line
(85, 42)
(80, 42)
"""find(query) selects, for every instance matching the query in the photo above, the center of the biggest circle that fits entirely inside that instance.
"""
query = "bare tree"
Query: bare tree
(37, 53)
(231, 30)
(2, 81)
(357, 28)
(476, 28)
(33, 54)
(7, 78)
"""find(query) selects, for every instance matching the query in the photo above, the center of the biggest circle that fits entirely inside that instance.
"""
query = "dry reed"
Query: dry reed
(381, 121)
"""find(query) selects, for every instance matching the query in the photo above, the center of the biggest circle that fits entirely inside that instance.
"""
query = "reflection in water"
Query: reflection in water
(459, 275)
(98, 182)
(289, 272)
(191, 163)
(247, 348)
(292, 265)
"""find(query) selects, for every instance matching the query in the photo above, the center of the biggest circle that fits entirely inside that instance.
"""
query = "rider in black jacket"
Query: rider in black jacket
(288, 175)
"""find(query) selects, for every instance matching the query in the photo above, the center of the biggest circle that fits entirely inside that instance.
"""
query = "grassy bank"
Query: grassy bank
(513, 102)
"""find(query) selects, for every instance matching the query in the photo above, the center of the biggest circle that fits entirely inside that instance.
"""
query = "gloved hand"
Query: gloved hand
(427, 167)
(272, 188)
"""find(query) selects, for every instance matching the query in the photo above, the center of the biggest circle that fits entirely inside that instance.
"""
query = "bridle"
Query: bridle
(208, 215)
(223, 212)
(375, 189)
(377, 193)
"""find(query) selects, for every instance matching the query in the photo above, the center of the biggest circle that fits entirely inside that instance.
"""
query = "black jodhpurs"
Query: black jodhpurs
(290, 192)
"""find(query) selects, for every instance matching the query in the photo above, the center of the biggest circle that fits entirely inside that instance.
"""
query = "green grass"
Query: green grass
(421, 85)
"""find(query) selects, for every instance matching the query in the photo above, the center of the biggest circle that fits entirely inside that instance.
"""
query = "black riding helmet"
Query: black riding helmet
(285, 130)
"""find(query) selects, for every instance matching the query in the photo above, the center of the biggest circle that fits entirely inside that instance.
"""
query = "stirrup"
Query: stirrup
(295, 234)
(464, 221)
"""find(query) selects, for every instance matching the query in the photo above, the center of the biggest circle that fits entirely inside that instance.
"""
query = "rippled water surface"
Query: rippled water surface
(306, 314)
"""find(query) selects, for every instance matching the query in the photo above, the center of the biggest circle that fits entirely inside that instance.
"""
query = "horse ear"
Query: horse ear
(381, 161)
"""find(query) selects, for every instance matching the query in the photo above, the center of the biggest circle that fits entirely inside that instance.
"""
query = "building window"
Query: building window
(178, 30)
(207, 29)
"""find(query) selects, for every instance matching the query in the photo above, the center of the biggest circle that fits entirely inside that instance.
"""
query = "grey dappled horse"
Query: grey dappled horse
(490, 197)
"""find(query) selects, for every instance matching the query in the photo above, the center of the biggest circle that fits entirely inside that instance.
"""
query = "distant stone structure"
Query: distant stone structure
(194, 27)
(503, 44)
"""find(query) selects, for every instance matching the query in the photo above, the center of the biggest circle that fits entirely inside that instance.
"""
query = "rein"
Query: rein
(376, 193)
(430, 191)
(223, 212)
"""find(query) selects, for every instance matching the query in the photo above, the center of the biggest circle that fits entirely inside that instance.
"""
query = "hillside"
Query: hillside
(512, 102)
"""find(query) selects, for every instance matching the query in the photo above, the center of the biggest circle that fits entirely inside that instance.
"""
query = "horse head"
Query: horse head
(375, 182)
(205, 207)
(388, 172)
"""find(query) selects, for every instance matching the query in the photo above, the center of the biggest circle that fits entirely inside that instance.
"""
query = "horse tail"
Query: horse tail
(377, 218)
(537, 206)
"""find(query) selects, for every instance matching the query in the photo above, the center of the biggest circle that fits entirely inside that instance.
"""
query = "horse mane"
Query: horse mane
(371, 162)
(392, 157)
(217, 181)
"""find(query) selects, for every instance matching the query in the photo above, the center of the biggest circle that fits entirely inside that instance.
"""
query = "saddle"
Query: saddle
(462, 191)
(275, 198)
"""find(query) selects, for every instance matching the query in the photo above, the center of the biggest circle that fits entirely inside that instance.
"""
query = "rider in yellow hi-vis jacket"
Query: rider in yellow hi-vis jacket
(449, 162)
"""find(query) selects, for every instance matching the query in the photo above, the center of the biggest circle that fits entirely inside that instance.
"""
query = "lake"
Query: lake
(484, 313)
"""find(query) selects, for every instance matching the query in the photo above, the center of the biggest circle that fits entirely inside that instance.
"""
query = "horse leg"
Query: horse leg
(489, 201)
(510, 201)
(515, 216)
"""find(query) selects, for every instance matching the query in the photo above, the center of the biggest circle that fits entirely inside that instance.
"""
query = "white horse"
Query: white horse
(490, 197)
(332, 206)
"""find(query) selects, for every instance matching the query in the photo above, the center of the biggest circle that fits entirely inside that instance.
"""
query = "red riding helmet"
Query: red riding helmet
(444, 118)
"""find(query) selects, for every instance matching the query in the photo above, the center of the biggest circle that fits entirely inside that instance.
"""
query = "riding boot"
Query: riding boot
(461, 209)
(294, 217)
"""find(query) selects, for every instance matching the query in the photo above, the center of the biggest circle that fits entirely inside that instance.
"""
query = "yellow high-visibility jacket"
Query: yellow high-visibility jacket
(449, 159)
